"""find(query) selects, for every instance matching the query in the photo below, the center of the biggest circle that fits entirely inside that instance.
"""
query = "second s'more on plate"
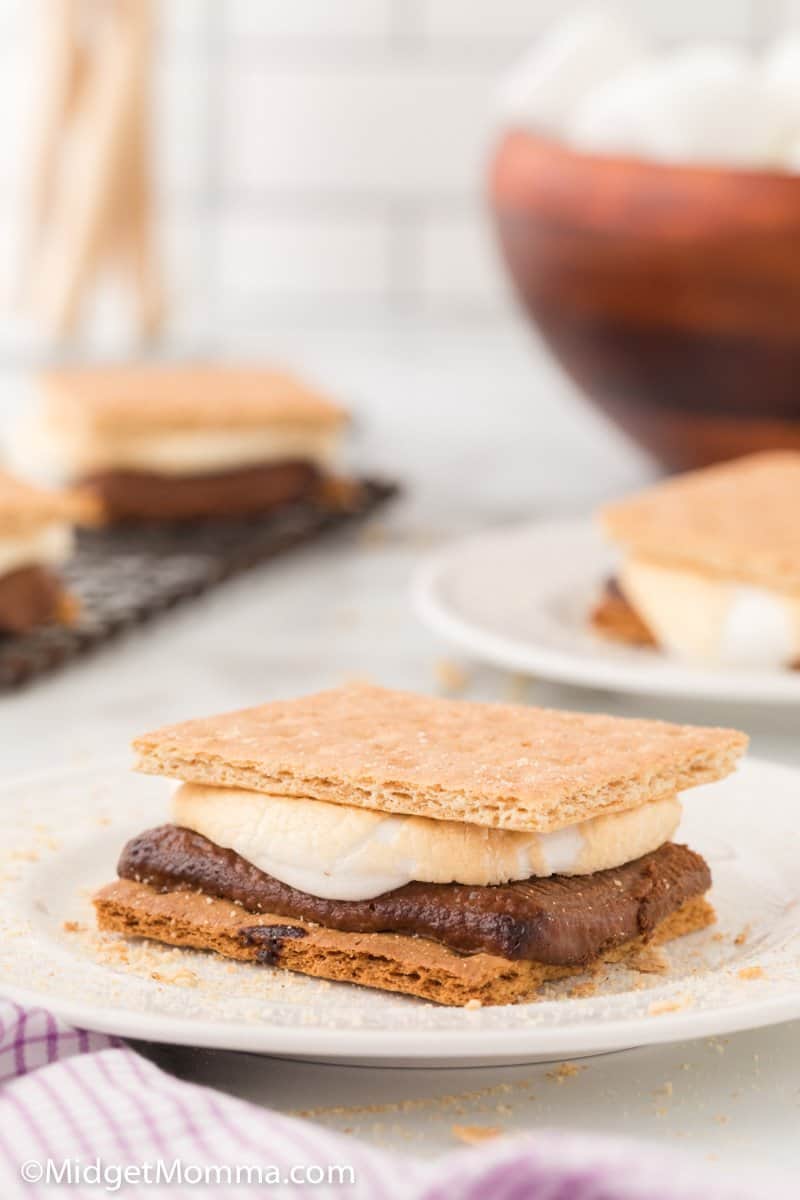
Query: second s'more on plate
(710, 565)
(460, 852)
(36, 539)
(185, 442)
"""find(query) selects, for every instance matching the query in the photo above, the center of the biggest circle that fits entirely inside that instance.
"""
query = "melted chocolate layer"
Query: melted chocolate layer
(614, 617)
(147, 496)
(29, 597)
(564, 920)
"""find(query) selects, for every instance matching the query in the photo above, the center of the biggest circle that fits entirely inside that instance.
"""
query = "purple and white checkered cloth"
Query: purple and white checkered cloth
(81, 1114)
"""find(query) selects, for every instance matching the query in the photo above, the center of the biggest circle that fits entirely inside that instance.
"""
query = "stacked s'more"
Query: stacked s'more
(710, 565)
(180, 442)
(455, 851)
(36, 539)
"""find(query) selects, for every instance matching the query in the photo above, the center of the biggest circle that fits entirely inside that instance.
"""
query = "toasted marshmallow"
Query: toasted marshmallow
(708, 619)
(76, 452)
(43, 546)
(342, 853)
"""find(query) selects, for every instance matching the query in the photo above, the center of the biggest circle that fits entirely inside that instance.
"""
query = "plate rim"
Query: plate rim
(438, 1044)
(570, 667)
(406, 1044)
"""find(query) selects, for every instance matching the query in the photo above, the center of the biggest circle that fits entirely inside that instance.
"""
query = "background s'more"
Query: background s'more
(36, 539)
(187, 442)
(455, 851)
(710, 564)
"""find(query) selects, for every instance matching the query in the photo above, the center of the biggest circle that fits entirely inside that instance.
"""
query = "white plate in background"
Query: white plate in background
(519, 598)
(60, 837)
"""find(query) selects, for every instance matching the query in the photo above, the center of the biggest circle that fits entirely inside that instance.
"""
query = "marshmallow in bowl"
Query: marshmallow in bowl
(617, 117)
(781, 77)
(594, 83)
(577, 56)
(719, 109)
(781, 68)
(702, 104)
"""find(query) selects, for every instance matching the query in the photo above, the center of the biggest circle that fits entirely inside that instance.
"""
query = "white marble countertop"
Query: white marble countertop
(481, 429)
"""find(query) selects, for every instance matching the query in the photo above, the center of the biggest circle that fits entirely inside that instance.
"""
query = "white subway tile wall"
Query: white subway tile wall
(299, 260)
(725, 19)
(337, 20)
(312, 151)
(374, 131)
(511, 19)
(791, 13)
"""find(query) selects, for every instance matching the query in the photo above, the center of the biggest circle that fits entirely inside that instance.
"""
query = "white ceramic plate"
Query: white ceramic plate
(61, 835)
(519, 598)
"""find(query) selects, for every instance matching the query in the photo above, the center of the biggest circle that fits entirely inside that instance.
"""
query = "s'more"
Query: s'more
(464, 853)
(36, 539)
(188, 442)
(710, 565)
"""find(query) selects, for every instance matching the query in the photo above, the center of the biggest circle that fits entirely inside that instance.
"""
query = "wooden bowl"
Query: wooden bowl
(671, 294)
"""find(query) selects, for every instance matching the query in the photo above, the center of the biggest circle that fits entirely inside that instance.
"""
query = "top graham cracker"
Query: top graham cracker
(120, 400)
(24, 508)
(738, 521)
(500, 765)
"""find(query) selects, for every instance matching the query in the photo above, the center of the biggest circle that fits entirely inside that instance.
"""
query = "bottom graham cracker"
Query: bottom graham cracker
(387, 961)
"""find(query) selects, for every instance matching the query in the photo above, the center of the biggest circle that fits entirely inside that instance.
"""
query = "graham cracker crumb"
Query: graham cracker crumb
(564, 1071)
(754, 972)
(116, 952)
(516, 691)
(451, 677)
(456, 1103)
(73, 927)
(650, 960)
(473, 1135)
(356, 681)
(583, 990)
(658, 1007)
(181, 978)
(375, 533)
(743, 935)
